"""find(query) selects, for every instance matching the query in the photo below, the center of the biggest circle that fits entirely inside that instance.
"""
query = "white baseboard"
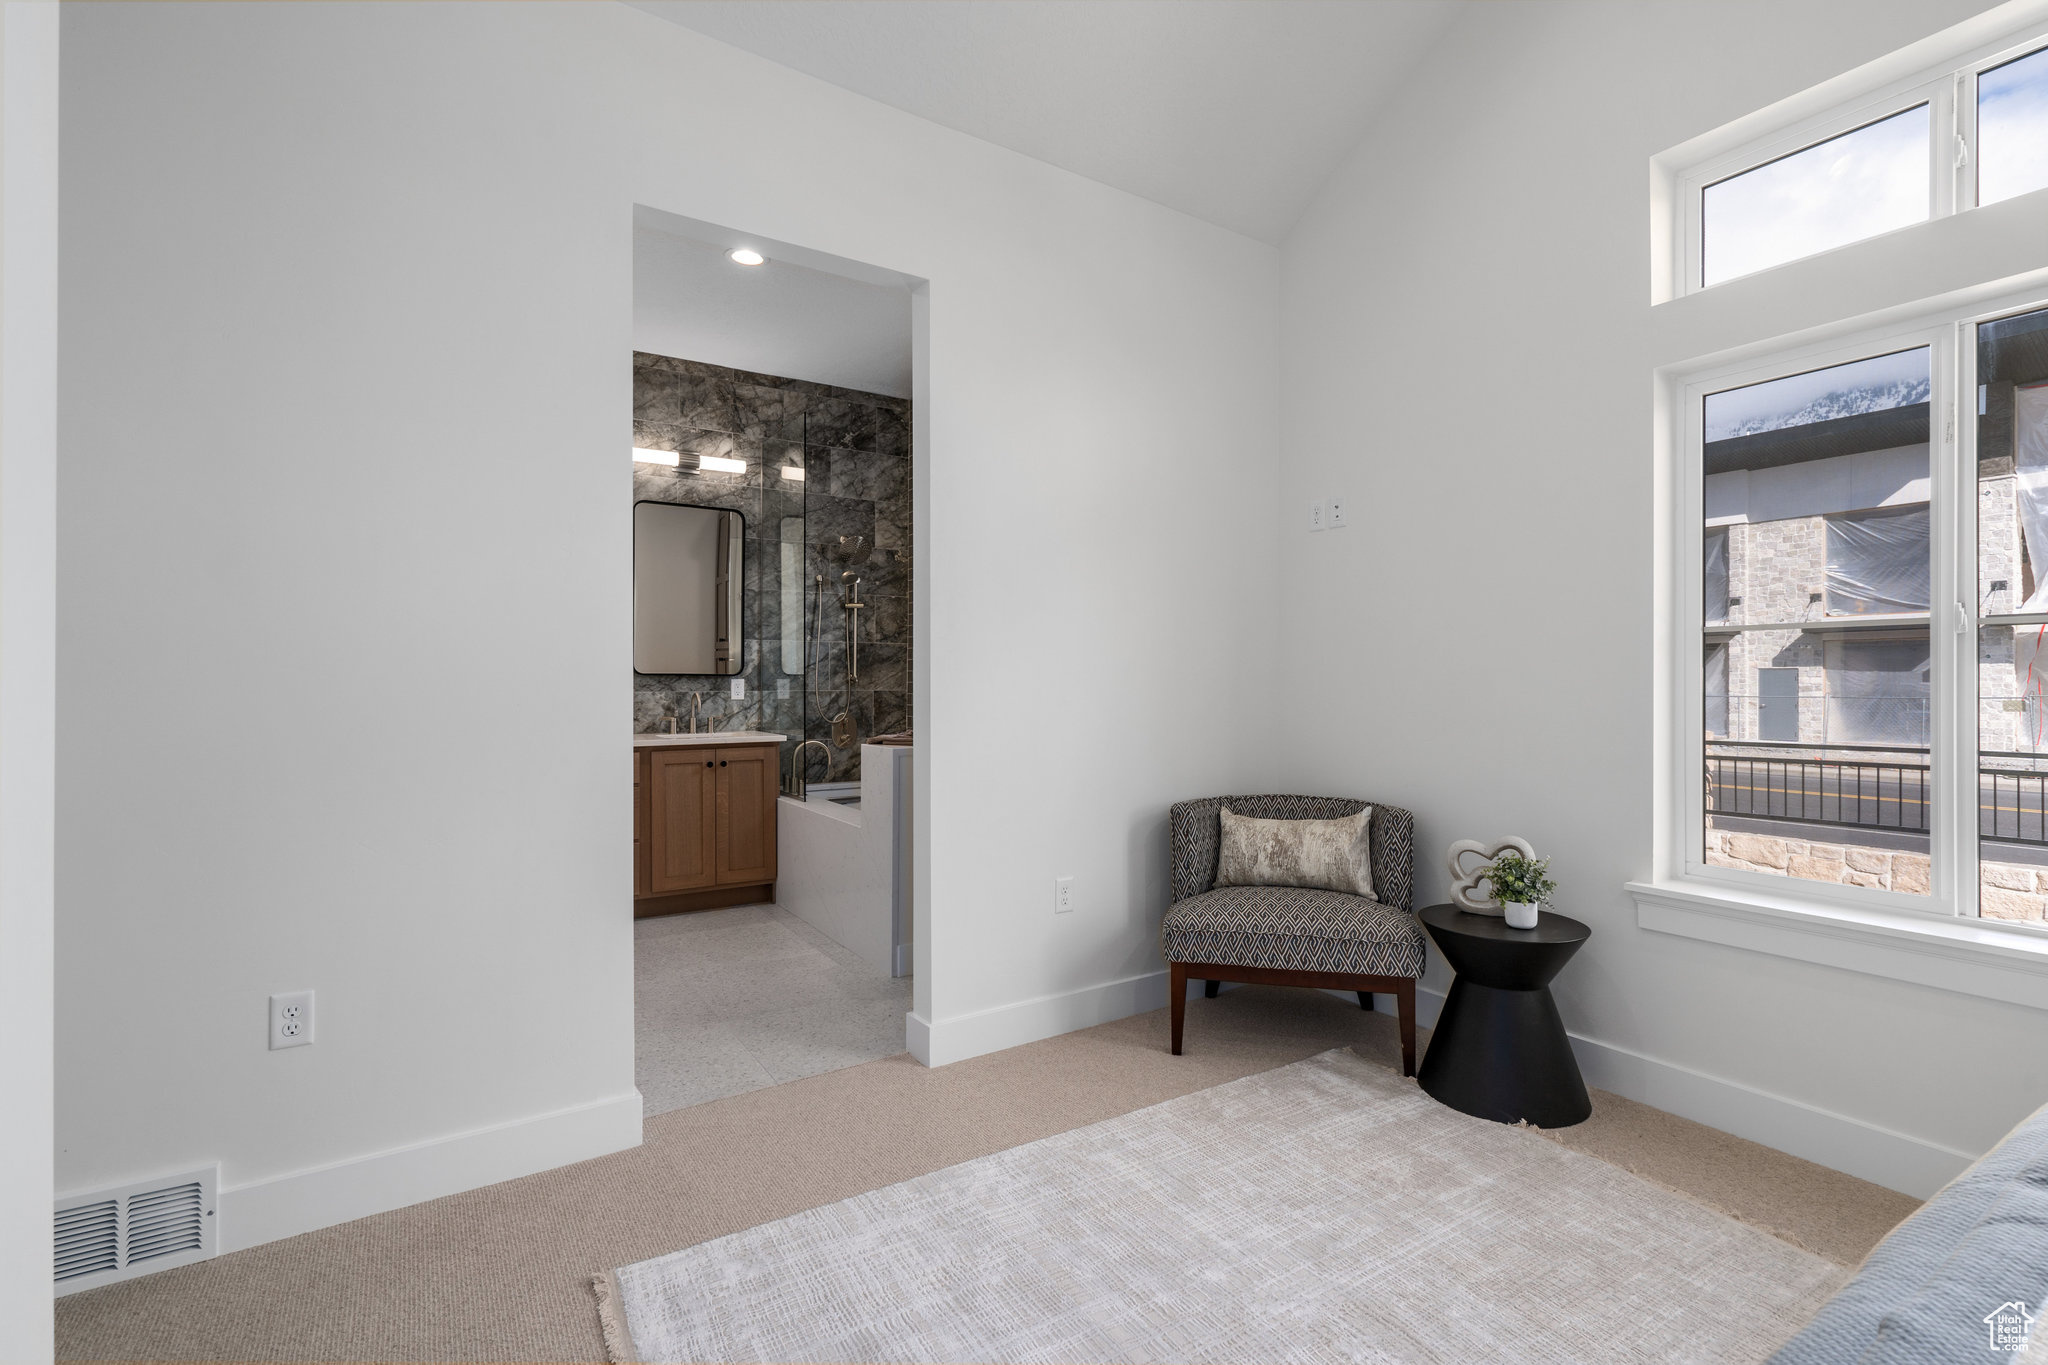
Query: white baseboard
(1027, 1021)
(301, 1201)
(1894, 1160)
(917, 1037)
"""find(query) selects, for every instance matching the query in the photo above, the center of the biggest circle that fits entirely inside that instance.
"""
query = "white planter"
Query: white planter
(1521, 914)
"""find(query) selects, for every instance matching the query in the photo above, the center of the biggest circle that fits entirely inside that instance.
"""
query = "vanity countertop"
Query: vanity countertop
(659, 741)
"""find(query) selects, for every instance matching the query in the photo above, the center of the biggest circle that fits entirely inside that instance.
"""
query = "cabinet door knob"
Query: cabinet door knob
(721, 763)
(707, 762)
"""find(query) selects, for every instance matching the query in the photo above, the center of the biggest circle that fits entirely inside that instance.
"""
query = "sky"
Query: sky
(2012, 128)
(1870, 180)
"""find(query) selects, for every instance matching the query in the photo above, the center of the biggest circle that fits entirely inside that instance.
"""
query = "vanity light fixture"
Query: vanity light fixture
(746, 255)
(719, 464)
(667, 457)
(793, 472)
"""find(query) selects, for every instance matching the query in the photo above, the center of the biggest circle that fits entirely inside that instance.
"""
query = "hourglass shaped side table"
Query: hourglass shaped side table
(1499, 1050)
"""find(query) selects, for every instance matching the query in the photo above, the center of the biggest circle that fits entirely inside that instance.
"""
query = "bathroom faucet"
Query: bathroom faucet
(695, 699)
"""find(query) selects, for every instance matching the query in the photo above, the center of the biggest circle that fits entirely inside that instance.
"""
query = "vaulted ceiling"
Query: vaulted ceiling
(1235, 111)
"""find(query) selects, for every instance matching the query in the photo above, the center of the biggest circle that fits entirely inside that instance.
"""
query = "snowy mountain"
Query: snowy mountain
(1840, 403)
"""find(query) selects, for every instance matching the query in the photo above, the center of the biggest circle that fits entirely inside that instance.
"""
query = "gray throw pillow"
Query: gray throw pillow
(1334, 855)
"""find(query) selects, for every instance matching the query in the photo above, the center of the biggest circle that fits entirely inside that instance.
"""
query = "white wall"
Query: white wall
(28, 559)
(345, 599)
(1469, 347)
(783, 318)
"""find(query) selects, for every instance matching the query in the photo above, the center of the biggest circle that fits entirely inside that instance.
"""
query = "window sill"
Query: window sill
(1954, 955)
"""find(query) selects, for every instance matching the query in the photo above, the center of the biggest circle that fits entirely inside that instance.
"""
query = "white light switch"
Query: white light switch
(739, 689)
(1318, 515)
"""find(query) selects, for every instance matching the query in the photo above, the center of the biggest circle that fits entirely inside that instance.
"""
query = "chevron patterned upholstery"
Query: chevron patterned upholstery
(1292, 928)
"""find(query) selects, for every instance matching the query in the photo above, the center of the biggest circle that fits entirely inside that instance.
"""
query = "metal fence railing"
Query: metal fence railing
(1877, 787)
(1818, 784)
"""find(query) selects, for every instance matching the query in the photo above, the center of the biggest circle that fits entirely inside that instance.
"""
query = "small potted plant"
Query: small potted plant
(1521, 885)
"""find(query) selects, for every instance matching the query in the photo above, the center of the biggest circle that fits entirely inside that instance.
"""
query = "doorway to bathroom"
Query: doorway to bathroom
(773, 606)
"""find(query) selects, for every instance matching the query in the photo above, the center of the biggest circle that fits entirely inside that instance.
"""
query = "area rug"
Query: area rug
(1323, 1211)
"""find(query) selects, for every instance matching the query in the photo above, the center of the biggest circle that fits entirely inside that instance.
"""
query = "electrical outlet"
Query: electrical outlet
(739, 689)
(781, 689)
(291, 1020)
(1318, 515)
(1062, 895)
(1336, 513)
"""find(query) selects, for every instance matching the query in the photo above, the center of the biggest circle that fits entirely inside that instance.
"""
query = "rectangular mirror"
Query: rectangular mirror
(688, 567)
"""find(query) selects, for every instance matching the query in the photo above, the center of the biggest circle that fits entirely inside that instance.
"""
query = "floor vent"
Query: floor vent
(109, 1235)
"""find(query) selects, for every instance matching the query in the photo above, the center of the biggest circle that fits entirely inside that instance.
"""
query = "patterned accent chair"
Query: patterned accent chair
(1293, 936)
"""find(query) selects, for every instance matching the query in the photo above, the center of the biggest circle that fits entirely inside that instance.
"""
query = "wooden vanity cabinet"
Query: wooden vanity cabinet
(704, 826)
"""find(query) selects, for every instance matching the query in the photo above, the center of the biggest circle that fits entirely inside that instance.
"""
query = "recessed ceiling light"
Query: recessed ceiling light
(746, 255)
(667, 457)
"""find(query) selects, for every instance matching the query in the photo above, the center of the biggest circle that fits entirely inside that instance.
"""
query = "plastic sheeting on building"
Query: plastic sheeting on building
(1878, 560)
(1878, 691)
(2030, 484)
(1717, 691)
(1717, 575)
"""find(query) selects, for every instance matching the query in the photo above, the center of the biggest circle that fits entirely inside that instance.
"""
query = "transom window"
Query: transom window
(1942, 143)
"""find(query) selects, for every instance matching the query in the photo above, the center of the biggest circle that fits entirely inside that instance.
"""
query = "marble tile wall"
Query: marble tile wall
(854, 449)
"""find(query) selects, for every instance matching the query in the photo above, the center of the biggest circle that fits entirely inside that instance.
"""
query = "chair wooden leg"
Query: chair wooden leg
(1209, 989)
(1177, 992)
(1406, 1001)
(1365, 1001)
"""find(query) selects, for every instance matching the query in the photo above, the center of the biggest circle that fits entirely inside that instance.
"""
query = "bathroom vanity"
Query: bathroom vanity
(704, 820)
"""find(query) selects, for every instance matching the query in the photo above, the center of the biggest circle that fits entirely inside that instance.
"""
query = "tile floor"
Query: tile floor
(726, 1001)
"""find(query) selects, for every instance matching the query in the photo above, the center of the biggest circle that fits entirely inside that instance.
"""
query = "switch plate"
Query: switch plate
(1318, 515)
(781, 688)
(1062, 895)
(1336, 513)
(291, 1020)
(739, 689)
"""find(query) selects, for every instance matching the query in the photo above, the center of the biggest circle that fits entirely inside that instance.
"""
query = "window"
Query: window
(2012, 128)
(1940, 142)
(2011, 356)
(1815, 519)
(1864, 182)
(1854, 630)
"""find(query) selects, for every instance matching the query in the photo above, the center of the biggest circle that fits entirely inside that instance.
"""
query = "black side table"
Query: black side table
(1499, 1050)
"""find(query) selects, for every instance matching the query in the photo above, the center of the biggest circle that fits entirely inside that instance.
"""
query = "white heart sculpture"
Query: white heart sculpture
(1465, 880)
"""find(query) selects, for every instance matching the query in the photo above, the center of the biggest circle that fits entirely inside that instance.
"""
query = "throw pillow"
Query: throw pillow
(1334, 855)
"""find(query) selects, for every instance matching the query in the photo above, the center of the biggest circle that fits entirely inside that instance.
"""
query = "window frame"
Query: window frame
(1953, 621)
(1687, 389)
(1949, 89)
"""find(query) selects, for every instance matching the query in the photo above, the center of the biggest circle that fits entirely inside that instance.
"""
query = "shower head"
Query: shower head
(850, 549)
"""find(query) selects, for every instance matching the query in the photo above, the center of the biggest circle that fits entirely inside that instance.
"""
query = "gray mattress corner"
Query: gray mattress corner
(1931, 1292)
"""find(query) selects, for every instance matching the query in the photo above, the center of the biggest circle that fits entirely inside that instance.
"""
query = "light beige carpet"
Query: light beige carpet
(1323, 1211)
(503, 1272)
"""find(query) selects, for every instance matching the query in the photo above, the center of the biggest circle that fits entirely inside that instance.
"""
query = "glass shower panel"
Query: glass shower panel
(783, 599)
